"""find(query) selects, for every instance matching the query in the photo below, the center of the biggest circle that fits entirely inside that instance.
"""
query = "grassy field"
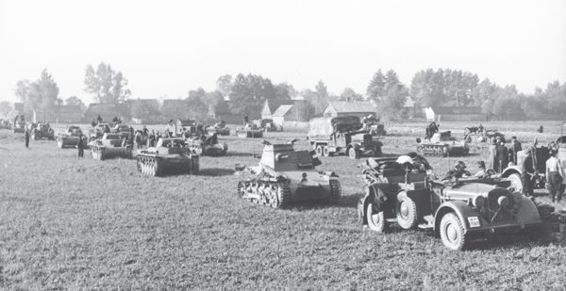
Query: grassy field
(84, 224)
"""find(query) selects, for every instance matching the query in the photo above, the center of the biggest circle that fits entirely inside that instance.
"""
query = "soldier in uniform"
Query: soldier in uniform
(80, 147)
(515, 148)
(458, 172)
(501, 156)
(554, 176)
(26, 137)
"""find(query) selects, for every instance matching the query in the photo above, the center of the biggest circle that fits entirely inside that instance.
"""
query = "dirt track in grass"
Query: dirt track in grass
(68, 223)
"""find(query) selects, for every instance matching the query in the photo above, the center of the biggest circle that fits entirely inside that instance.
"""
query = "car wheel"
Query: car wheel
(406, 212)
(375, 219)
(516, 182)
(353, 153)
(452, 232)
(326, 152)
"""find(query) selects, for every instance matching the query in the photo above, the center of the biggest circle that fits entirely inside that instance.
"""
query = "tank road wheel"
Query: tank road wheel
(335, 191)
(319, 150)
(272, 196)
(353, 153)
(283, 195)
(516, 182)
(376, 219)
(452, 232)
(138, 164)
(154, 168)
(241, 189)
(326, 152)
(406, 211)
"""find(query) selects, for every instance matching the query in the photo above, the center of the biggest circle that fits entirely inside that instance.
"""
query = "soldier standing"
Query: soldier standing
(502, 158)
(80, 146)
(26, 137)
(515, 148)
(554, 177)
(528, 172)
(492, 155)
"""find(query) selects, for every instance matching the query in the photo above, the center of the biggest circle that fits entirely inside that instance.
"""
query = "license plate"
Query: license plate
(474, 221)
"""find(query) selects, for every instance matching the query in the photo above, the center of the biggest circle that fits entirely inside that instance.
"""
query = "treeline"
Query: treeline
(247, 94)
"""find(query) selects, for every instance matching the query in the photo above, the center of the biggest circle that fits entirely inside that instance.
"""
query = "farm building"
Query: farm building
(144, 110)
(454, 114)
(59, 114)
(289, 115)
(343, 108)
(107, 111)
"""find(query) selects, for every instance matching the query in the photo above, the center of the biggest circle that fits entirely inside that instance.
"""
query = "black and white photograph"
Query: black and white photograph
(282, 145)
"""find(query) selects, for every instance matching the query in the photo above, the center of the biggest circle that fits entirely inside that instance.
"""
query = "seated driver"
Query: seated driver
(458, 172)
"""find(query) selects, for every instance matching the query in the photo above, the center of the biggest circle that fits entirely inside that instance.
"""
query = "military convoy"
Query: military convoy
(342, 135)
(443, 144)
(170, 155)
(110, 145)
(398, 190)
(284, 176)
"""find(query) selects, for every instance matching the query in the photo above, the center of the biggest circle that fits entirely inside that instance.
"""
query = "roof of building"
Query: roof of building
(282, 110)
(352, 107)
(456, 110)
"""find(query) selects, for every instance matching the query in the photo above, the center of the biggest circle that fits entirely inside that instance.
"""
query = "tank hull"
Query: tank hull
(154, 165)
(104, 153)
(249, 133)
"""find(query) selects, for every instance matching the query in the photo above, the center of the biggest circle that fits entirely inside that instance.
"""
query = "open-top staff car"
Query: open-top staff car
(398, 190)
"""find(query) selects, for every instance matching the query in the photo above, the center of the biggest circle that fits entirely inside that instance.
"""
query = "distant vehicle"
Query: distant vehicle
(19, 124)
(70, 137)
(374, 126)
(121, 129)
(443, 144)
(170, 155)
(250, 130)
(5, 124)
(111, 145)
(42, 130)
(97, 131)
(267, 125)
(284, 176)
(342, 135)
(207, 145)
(219, 128)
(457, 211)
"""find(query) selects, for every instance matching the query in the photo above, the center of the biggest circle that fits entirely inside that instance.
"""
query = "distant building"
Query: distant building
(144, 110)
(266, 111)
(59, 114)
(344, 108)
(439, 113)
(107, 111)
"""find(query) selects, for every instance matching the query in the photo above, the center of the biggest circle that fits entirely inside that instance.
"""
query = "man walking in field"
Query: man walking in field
(554, 177)
(80, 146)
(26, 137)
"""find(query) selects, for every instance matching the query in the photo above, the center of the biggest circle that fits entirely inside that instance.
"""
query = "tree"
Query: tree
(224, 84)
(249, 92)
(74, 101)
(5, 108)
(107, 85)
(197, 107)
(41, 94)
(321, 100)
(376, 88)
(350, 95)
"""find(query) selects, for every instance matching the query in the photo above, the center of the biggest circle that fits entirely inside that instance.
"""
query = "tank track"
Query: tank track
(433, 150)
(152, 166)
(269, 193)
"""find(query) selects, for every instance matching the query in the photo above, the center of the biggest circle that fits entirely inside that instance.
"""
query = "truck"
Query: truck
(331, 136)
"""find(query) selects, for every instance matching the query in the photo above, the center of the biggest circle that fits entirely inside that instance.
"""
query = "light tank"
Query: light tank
(42, 130)
(443, 144)
(111, 145)
(219, 128)
(70, 137)
(250, 130)
(207, 145)
(170, 155)
(284, 176)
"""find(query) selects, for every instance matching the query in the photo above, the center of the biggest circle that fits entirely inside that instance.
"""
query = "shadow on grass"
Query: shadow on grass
(350, 201)
(216, 172)
(238, 154)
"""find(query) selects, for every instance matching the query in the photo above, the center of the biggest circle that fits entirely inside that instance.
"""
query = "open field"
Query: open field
(68, 223)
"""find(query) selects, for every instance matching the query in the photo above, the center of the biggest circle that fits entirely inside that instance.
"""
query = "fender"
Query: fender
(511, 170)
(460, 208)
(355, 145)
(377, 195)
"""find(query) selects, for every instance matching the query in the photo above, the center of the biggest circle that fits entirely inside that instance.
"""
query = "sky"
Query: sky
(166, 48)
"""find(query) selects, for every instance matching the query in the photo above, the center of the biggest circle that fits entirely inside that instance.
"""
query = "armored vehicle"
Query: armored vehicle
(443, 144)
(219, 128)
(458, 211)
(250, 130)
(111, 145)
(42, 130)
(97, 131)
(19, 124)
(342, 135)
(284, 176)
(122, 130)
(170, 155)
(70, 137)
(207, 145)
